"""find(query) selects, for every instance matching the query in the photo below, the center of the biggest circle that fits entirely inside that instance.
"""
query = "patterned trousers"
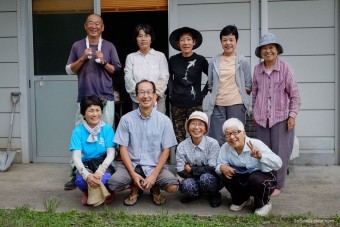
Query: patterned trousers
(207, 183)
(179, 116)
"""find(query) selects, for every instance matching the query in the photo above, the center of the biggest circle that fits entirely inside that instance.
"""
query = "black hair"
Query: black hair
(88, 101)
(146, 28)
(148, 81)
(229, 30)
(185, 32)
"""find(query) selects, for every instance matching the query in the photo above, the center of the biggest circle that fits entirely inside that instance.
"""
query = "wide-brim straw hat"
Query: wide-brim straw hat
(98, 195)
(266, 39)
(175, 36)
(197, 115)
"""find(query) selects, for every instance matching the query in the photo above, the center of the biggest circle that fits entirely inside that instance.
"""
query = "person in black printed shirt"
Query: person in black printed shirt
(185, 82)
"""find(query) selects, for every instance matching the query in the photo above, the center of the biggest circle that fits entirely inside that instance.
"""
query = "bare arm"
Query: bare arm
(128, 165)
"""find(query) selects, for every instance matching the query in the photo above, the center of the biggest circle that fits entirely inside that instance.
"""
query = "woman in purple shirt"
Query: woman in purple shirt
(276, 103)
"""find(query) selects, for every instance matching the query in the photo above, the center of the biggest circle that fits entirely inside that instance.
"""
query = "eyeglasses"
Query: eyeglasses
(147, 92)
(194, 124)
(234, 133)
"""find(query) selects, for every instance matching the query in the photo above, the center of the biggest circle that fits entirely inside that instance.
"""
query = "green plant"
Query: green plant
(52, 204)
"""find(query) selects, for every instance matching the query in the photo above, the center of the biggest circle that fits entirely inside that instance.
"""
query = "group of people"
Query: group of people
(217, 153)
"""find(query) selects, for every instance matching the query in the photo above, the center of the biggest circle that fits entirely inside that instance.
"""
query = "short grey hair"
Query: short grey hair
(232, 123)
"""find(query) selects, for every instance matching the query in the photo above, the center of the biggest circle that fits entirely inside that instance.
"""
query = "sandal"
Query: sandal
(131, 200)
(157, 199)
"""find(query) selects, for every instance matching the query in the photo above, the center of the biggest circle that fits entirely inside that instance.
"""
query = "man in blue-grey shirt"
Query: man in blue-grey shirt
(145, 137)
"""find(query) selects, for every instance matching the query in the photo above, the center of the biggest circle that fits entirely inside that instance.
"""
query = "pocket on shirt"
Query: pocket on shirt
(154, 138)
(279, 86)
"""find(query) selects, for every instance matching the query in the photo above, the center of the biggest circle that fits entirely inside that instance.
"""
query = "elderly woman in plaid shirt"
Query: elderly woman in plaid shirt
(196, 161)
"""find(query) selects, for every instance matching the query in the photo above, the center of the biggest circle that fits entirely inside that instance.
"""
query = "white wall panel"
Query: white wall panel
(5, 119)
(319, 143)
(306, 41)
(9, 75)
(316, 96)
(5, 102)
(195, 2)
(8, 5)
(318, 123)
(15, 143)
(8, 24)
(214, 16)
(212, 45)
(8, 50)
(292, 14)
(313, 68)
(316, 159)
(316, 151)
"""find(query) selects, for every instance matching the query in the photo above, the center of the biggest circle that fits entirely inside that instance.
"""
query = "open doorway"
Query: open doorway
(118, 30)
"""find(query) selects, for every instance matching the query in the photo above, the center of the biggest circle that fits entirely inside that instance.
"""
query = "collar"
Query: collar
(141, 116)
(151, 52)
(201, 145)
(277, 66)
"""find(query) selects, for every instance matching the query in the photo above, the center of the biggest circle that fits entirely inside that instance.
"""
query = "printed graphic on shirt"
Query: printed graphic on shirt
(101, 141)
(191, 64)
(193, 92)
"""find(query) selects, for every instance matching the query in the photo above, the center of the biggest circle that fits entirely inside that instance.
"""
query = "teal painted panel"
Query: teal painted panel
(55, 114)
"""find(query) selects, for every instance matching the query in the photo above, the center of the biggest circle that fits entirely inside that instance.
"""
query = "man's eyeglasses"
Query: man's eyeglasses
(147, 92)
(234, 133)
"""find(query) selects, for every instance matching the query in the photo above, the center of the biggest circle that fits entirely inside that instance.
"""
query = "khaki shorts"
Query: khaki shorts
(121, 179)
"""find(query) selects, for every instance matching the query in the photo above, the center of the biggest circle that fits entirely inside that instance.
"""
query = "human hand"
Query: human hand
(94, 180)
(87, 54)
(255, 153)
(291, 123)
(149, 181)
(187, 168)
(139, 181)
(228, 171)
(100, 56)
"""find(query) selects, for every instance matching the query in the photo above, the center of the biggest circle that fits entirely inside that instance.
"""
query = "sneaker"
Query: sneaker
(240, 207)
(71, 184)
(215, 199)
(264, 211)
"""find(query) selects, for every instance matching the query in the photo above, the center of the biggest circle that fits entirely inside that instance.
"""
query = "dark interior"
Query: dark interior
(54, 34)
(119, 28)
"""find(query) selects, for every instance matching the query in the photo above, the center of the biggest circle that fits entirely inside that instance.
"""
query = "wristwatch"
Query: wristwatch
(105, 62)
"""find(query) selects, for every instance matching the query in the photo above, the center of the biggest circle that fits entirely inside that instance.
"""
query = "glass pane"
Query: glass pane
(55, 29)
